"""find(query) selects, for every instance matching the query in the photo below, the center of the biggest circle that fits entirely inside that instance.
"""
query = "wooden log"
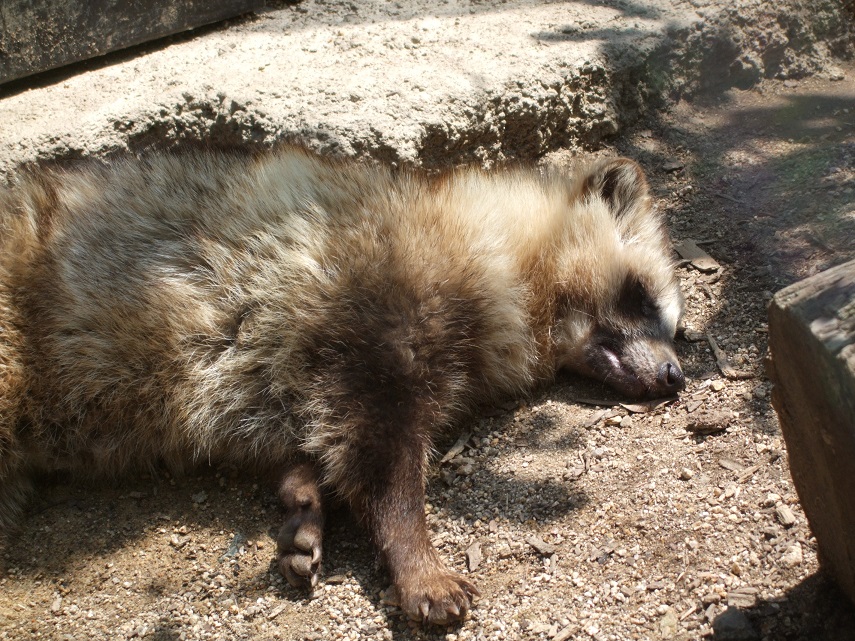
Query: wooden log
(36, 35)
(812, 365)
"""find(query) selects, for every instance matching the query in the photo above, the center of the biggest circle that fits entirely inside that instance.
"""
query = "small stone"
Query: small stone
(793, 556)
(200, 497)
(56, 606)
(626, 422)
(466, 469)
(717, 386)
(771, 499)
(668, 624)
(473, 556)
(686, 474)
(785, 515)
(448, 476)
(733, 625)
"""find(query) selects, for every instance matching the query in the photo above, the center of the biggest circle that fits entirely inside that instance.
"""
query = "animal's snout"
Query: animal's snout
(670, 378)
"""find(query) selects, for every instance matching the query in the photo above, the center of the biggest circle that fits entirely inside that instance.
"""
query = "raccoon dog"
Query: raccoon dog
(320, 318)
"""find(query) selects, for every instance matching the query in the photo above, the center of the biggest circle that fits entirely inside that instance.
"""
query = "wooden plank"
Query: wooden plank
(812, 364)
(37, 35)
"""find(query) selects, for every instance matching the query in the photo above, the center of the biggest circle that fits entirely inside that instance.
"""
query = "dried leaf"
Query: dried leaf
(457, 448)
(698, 258)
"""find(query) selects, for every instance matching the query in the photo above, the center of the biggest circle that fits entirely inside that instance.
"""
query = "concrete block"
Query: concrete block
(36, 35)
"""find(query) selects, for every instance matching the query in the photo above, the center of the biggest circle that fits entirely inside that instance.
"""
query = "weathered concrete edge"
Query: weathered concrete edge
(579, 106)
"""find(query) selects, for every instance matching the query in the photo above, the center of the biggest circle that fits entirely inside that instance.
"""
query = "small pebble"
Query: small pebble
(793, 556)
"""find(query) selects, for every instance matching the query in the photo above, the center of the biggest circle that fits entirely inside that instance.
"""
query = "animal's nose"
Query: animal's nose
(670, 378)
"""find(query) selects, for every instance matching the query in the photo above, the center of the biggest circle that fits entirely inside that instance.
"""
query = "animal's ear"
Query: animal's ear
(620, 182)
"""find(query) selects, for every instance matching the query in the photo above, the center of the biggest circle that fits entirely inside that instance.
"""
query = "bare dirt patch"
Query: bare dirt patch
(581, 520)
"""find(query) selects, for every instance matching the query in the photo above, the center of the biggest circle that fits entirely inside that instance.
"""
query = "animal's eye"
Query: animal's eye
(635, 300)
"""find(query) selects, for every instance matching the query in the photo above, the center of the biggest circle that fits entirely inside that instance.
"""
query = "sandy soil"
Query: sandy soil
(591, 521)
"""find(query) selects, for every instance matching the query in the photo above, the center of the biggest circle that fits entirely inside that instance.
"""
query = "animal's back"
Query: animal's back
(174, 308)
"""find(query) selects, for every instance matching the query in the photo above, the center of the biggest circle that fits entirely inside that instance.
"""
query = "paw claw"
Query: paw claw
(300, 550)
(305, 540)
(439, 599)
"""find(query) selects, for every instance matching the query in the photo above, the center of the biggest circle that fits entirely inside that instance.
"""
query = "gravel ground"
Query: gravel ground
(578, 517)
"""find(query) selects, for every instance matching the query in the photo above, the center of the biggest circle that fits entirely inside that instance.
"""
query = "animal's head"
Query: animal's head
(619, 296)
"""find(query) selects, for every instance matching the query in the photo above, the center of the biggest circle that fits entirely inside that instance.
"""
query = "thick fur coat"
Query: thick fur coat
(320, 318)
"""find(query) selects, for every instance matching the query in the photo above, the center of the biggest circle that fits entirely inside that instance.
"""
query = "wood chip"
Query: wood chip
(724, 363)
(696, 256)
(688, 613)
(541, 546)
(745, 597)
(730, 464)
(473, 556)
(566, 634)
(748, 472)
(279, 609)
(785, 515)
(596, 418)
(691, 406)
(457, 448)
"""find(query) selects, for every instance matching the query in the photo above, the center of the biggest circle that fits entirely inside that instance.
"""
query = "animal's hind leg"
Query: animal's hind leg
(299, 544)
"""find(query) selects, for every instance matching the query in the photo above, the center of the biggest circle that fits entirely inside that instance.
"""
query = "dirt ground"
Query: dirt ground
(576, 520)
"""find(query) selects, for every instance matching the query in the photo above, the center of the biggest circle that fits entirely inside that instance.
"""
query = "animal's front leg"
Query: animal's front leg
(299, 541)
(382, 476)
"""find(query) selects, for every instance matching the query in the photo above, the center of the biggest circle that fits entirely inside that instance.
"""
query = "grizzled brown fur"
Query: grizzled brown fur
(282, 308)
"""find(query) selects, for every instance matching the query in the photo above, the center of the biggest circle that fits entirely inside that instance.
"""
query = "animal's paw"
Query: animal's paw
(299, 549)
(440, 598)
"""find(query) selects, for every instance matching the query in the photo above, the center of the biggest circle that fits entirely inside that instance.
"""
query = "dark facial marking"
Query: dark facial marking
(635, 300)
